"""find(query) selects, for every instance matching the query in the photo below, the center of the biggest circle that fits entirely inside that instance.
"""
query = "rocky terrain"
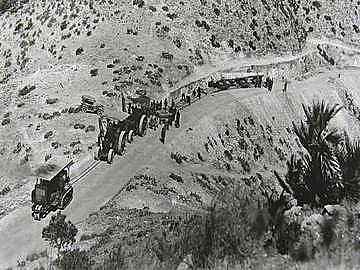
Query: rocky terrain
(53, 52)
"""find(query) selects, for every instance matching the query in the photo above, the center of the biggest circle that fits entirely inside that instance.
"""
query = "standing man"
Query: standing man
(188, 99)
(182, 96)
(129, 108)
(123, 102)
(163, 134)
(199, 92)
(165, 103)
(177, 119)
(285, 86)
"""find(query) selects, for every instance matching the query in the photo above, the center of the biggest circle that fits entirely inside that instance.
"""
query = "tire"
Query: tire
(110, 156)
(143, 125)
(130, 136)
(121, 143)
(67, 198)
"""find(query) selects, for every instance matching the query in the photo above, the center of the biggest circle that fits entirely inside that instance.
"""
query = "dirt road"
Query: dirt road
(20, 235)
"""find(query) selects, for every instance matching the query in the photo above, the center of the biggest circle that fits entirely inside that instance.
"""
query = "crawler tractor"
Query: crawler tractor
(114, 133)
(51, 195)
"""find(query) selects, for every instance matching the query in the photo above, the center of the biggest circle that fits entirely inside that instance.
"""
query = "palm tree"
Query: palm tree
(348, 155)
(322, 173)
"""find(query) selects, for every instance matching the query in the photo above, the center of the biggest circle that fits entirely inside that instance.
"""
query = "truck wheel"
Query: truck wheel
(110, 156)
(130, 136)
(121, 143)
(143, 125)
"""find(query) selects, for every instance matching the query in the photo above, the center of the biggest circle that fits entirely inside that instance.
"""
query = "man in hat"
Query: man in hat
(123, 104)
(163, 134)
(177, 119)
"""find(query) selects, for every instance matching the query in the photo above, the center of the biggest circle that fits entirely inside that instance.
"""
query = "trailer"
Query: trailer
(52, 194)
(237, 80)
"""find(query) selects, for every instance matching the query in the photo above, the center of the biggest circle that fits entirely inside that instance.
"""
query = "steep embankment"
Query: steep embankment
(227, 138)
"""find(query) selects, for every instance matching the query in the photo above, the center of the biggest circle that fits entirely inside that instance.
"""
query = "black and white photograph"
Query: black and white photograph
(179, 134)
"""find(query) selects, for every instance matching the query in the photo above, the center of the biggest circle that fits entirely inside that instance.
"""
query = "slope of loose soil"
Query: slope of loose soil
(215, 148)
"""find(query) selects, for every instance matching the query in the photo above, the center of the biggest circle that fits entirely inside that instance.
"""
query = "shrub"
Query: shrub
(48, 134)
(24, 91)
(94, 72)
(59, 233)
(79, 51)
(317, 178)
(74, 260)
(5, 121)
(116, 259)
(5, 5)
(51, 100)
(349, 160)
(225, 230)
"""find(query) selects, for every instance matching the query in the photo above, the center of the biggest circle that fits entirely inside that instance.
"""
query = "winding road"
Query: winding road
(20, 235)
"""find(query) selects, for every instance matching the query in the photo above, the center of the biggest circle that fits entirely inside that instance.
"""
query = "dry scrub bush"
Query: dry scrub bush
(232, 228)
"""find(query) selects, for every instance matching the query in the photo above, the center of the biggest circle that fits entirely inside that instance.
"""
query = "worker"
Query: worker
(165, 103)
(183, 96)
(123, 104)
(129, 108)
(173, 114)
(163, 134)
(188, 99)
(285, 86)
(177, 119)
(270, 84)
(199, 92)
(194, 93)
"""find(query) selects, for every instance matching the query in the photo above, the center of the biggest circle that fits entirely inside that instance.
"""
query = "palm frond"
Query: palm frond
(349, 160)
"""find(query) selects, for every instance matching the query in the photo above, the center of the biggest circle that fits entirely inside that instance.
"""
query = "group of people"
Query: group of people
(155, 106)
(195, 93)
(174, 116)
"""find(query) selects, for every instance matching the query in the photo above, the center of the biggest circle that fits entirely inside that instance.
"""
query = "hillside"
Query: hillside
(53, 52)
(239, 143)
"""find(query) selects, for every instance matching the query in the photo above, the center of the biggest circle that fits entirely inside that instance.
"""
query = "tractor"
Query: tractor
(111, 139)
(88, 105)
(51, 195)
(114, 133)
